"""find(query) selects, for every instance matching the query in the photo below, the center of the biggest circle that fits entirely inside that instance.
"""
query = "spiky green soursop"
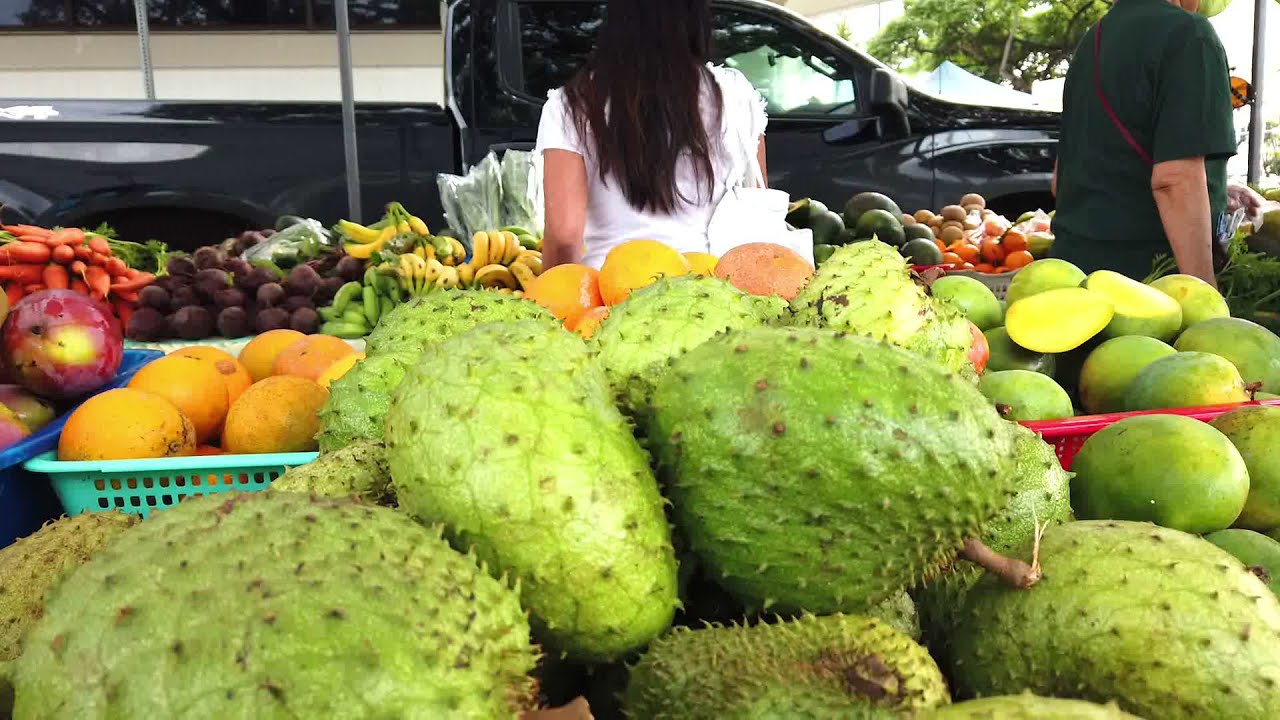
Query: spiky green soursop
(866, 288)
(358, 470)
(34, 564)
(508, 436)
(277, 605)
(1026, 707)
(1041, 495)
(664, 320)
(823, 472)
(832, 667)
(358, 401)
(422, 321)
(1164, 623)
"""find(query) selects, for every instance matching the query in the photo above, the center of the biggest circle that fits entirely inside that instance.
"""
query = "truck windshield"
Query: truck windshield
(797, 75)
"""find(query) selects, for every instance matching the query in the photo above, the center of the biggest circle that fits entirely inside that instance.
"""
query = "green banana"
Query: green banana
(327, 313)
(386, 304)
(345, 295)
(371, 306)
(355, 316)
(345, 330)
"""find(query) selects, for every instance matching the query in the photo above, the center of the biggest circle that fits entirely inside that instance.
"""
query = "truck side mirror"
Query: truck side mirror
(889, 100)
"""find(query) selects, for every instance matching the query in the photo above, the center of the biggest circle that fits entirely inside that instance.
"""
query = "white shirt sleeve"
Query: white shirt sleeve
(556, 130)
(744, 101)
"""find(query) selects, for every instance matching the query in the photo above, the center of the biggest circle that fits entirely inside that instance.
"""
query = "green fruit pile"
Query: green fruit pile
(721, 506)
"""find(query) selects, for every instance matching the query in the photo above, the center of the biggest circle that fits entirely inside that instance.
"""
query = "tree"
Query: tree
(1015, 41)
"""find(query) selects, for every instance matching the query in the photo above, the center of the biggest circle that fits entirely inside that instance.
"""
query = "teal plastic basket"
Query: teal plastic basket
(143, 486)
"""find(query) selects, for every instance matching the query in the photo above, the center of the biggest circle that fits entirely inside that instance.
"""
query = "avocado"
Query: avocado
(822, 252)
(922, 252)
(882, 225)
(798, 213)
(826, 226)
(861, 203)
(918, 232)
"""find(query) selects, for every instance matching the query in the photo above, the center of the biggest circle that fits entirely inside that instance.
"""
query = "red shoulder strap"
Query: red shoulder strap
(1106, 106)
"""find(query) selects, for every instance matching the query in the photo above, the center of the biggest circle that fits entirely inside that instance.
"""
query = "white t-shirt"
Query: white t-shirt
(612, 220)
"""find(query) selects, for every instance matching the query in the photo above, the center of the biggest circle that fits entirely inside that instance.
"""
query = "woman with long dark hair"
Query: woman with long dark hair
(640, 142)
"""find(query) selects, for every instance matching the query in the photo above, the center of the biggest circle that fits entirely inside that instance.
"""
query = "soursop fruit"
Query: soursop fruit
(277, 605)
(866, 288)
(1026, 707)
(422, 321)
(1041, 495)
(838, 666)
(358, 470)
(1162, 622)
(358, 401)
(770, 440)
(664, 320)
(34, 564)
(509, 437)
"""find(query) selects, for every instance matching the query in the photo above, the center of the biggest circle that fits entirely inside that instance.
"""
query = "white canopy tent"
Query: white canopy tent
(953, 82)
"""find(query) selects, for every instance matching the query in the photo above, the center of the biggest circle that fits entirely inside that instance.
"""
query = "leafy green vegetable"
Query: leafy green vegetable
(152, 256)
(1249, 281)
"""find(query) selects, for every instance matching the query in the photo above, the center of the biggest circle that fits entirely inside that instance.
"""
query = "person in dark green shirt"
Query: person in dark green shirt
(1145, 137)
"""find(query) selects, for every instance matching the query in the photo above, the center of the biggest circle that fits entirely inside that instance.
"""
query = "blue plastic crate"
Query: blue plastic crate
(26, 500)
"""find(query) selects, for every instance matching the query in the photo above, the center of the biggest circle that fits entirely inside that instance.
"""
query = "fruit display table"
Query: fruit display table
(233, 346)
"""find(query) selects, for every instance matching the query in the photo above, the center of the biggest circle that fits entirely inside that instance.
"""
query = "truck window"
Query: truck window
(797, 75)
(265, 15)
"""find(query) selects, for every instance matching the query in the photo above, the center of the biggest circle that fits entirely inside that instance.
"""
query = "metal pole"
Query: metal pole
(144, 47)
(1257, 126)
(348, 111)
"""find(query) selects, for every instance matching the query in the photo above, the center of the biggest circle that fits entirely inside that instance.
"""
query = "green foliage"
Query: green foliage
(1015, 41)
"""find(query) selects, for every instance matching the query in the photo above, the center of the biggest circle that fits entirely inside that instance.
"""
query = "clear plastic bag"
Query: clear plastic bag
(522, 190)
(294, 245)
(473, 203)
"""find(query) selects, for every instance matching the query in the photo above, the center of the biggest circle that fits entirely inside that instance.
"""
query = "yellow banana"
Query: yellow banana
(523, 275)
(448, 260)
(480, 249)
(411, 269)
(497, 248)
(418, 226)
(466, 274)
(519, 294)
(495, 276)
(387, 233)
(358, 233)
(402, 227)
(459, 250)
(434, 268)
(531, 260)
(448, 278)
(365, 251)
(513, 248)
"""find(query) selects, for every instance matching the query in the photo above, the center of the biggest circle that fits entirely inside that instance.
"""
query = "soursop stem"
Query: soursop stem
(1012, 570)
(576, 710)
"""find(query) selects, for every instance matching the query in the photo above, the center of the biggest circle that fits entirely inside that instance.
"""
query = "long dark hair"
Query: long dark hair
(648, 69)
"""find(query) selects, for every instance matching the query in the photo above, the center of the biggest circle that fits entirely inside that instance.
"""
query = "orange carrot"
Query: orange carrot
(14, 292)
(64, 254)
(115, 266)
(132, 272)
(55, 277)
(132, 284)
(99, 259)
(68, 236)
(98, 244)
(78, 285)
(125, 311)
(22, 274)
(34, 288)
(126, 295)
(99, 282)
(78, 268)
(38, 239)
(27, 230)
(24, 252)
(83, 253)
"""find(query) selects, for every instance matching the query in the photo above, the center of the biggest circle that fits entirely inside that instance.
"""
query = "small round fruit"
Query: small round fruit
(1023, 395)
(703, 264)
(193, 385)
(276, 415)
(925, 217)
(635, 264)
(1167, 469)
(765, 269)
(259, 356)
(589, 322)
(567, 290)
(953, 213)
(311, 356)
(233, 372)
(974, 199)
(972, 298)
(338, 369)
(126, 424)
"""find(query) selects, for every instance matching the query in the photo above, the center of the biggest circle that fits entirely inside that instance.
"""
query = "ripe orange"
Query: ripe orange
(338, 369)
(950, 258)
(567, 291)
(126, 424)
(233, 372)
(942, 247)
(968, 253)
(277, 415)
(259, 356)
(310, 356)
(984, 267)
(1017, 259)
(1014, 240)
(193, 386)
(703, 264)
(635, 264)
(590, 321)
(991, 251)
(765, 269)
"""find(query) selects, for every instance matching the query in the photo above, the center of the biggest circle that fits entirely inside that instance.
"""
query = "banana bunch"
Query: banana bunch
(526, 237)
(503, 260)
(363, 242)
(358, 306)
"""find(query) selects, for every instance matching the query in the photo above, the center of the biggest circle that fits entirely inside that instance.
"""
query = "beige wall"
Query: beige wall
(389, 66)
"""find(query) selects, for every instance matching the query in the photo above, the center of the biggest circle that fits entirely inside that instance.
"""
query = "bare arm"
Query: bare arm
(764, 162)
(1182, 197)
(564, 186)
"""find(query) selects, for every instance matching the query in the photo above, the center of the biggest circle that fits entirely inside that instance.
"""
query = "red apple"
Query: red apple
(62, 345)
(12, 428)
(980, 352)
(31, 410)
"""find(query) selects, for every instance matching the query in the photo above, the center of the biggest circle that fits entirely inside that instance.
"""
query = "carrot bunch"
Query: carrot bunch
(34, 258)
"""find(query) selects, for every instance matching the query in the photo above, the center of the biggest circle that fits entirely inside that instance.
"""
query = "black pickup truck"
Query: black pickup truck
(192, 173)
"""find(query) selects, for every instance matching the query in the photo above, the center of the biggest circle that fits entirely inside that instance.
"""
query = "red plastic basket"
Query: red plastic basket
(1067, 436)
